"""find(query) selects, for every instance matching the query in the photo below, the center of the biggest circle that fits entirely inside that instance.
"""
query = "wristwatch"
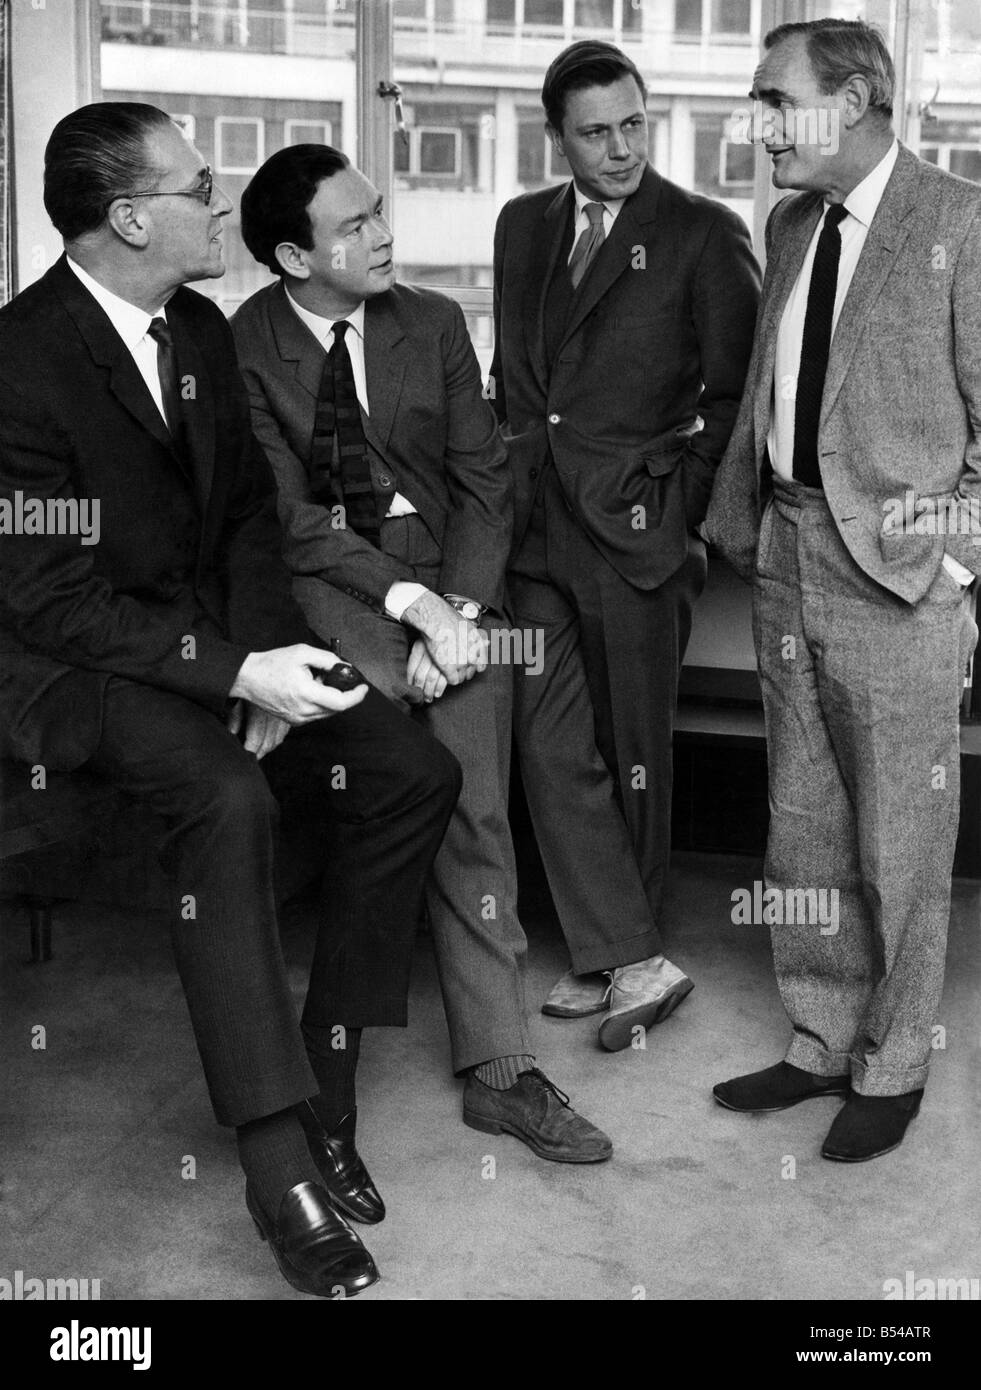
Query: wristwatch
(466, 607)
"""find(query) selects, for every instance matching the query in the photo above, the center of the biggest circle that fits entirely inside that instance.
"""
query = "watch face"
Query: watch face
(471, 611)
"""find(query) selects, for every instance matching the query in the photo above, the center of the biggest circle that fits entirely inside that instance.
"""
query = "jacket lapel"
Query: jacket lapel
(298, 349)
(385, 350)
(614, 256)
(784, 265)
(885, 238)
(108, 350)
(545, 250)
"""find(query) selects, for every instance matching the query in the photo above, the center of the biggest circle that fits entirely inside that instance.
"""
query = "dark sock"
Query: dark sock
(501, 1073)
(335, 1069)
(274, 1156)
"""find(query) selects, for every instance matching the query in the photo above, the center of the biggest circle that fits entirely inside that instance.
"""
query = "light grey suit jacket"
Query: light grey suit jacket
(902, 398)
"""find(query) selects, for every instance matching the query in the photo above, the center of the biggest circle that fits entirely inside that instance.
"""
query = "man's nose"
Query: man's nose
(618, 147)
(221, 204)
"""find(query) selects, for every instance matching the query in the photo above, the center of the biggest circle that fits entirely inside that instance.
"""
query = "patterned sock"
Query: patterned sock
(501, 1073)
(274, 1157)
(335, 1070)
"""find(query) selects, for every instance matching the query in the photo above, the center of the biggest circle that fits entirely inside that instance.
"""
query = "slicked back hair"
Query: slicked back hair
(275, 206)
(586, 63)
(842, 48)
(95, 154)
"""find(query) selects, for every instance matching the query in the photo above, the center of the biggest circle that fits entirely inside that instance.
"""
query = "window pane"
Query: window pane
(308, 133)
(594, 14)
(688, 16)
(730, 16)
(238, 145)
(966, 163)
(438, 152)
(543, 12)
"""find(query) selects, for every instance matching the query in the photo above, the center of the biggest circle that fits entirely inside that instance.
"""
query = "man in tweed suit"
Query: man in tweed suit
(861, 424)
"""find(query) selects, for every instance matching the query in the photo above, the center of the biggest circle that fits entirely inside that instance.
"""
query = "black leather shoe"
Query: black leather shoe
(869, 1126)
(777, 1088)
(315, 1248)
(537, 1112)
(345, 1176)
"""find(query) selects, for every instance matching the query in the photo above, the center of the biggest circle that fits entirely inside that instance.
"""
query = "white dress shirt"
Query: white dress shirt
(403, 593)
(860, 205)
(611, 211)
(131, 323)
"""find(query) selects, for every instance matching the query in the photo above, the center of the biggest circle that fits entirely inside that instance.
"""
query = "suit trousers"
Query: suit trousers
(861, 693)
(382, 791)
(472, 892)
(594, 730)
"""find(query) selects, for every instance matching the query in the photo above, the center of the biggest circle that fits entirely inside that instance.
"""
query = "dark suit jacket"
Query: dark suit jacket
(186, 549)
(902, 398)
(434, 435)
(659, 336)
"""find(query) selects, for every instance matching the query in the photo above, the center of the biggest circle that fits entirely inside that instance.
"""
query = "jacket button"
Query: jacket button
(384, 480)
(532, 472)
(554, 419)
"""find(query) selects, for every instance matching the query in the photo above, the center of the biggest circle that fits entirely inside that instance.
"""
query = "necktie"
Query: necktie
(159, 331)
(815, 346)
(591, 238)
(339, 463)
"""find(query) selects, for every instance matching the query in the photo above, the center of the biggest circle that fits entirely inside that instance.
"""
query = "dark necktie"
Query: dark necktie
(815, 347)
(159, 331)
(339, 465)
(591, 238)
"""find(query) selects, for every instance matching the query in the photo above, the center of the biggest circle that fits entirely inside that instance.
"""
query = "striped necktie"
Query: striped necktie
(591, 238)
(339, 464)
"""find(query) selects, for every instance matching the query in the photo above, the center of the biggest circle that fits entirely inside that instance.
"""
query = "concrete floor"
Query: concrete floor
(697, 1203)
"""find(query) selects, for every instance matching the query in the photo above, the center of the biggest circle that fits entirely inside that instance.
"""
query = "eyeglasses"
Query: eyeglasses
(203, 192)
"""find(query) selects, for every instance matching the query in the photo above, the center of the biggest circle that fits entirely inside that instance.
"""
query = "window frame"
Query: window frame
(291, 121)
(260, 127)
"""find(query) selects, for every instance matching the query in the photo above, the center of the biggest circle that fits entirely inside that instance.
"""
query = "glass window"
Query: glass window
(544, 12)
(594, 14)
(730, 16)
(309, 133)
(238, 144)
(688, 18)
(439, 152)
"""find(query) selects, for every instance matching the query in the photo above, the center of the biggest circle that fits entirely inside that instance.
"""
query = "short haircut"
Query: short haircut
(586, 63)
(275, 205)
(95, 154)
(842, 48)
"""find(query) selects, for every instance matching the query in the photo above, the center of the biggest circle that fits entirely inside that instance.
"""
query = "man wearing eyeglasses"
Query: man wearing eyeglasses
(170, 659)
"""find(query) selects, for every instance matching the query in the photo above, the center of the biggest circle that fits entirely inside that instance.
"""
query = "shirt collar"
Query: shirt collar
(129, 320)
(864, 199)
(612, 205)
(320, 326)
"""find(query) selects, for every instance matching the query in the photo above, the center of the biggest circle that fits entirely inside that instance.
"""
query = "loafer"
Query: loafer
(578, 996)
(643, 994)
(346, 1179)
(315, 1248)
(870, 1126)
(777, 1088)
(535, 1111)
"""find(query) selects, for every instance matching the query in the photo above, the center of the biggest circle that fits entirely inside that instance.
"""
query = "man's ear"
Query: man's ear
(129, 222)
(293, 261)
(857, 92)
(556, 138)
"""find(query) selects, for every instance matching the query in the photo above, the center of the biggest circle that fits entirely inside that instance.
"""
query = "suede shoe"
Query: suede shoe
(578, 996)
(643, 994)
(538, 1113)
(777, 1088)
(870, 1126)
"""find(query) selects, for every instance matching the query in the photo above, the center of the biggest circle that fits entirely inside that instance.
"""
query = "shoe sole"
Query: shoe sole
(560, 1011)
(485, 1126)
(787, 1105)
(617, 1033)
